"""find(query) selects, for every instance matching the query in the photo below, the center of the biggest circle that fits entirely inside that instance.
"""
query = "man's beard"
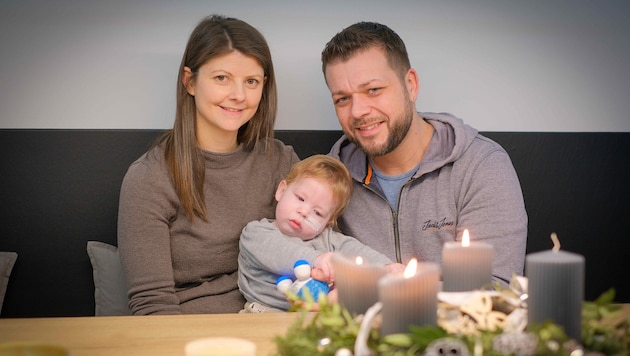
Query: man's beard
(396, 136)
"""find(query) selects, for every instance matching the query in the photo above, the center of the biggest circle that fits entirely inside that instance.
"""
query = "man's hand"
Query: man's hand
(395, 267)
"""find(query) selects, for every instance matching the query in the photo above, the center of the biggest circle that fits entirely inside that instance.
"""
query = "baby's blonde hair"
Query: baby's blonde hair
(330, 170)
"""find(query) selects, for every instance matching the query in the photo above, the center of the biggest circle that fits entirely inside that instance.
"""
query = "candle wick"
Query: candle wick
(556, 242)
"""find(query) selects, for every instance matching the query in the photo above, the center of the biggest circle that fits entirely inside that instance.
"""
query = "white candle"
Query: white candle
(409, 298)
(356, 282)
(556, 288)
(467, 265)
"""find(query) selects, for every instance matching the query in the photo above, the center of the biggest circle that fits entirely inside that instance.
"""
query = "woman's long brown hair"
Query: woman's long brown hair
(214, 36)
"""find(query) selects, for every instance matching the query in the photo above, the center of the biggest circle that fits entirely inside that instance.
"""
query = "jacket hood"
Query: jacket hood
(450, 140)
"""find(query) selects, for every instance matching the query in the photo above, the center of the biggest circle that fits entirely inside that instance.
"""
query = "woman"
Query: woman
(184, 203)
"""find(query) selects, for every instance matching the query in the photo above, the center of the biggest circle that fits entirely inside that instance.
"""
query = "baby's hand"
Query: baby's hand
(395, 267)
(322, 268)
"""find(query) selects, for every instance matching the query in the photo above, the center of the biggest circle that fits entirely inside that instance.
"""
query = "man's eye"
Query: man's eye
(341, 100)
(374, 90)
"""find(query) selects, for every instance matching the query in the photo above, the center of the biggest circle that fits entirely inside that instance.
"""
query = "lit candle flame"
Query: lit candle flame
(359, 260)
(465, 238)
(411, 268)
(556, 242)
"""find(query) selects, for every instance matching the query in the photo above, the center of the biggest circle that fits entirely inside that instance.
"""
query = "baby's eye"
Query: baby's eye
(299, 197)
(318, 213)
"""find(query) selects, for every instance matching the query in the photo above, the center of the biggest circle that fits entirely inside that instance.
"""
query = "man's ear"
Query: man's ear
(187, 81)
(412, 83)
(282, 187)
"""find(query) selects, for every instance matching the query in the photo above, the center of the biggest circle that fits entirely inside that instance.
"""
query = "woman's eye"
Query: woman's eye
(221, 78)
(252, 82)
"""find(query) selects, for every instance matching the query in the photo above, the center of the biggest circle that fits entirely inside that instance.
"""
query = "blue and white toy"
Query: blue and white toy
(303, 281)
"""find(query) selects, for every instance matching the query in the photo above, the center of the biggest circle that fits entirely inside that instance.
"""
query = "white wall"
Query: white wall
(538, 65)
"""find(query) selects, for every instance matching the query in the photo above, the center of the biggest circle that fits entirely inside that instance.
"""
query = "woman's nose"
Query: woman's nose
(238, 92)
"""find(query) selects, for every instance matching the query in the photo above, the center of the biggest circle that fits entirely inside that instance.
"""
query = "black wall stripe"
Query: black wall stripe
(59, 189)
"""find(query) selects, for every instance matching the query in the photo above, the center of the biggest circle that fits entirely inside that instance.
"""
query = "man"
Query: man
(420, 179)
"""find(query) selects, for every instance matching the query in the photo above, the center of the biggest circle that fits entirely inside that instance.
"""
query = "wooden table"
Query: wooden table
(154, 335)
(145, 335)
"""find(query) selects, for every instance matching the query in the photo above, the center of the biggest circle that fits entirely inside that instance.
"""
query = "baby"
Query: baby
(310, 199)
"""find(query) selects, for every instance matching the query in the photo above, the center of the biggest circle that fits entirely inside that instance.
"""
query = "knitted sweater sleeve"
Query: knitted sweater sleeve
(144, 243)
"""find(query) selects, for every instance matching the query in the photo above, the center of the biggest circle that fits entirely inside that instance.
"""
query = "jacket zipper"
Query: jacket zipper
(394, 220)
(396, 237)
(395, 215)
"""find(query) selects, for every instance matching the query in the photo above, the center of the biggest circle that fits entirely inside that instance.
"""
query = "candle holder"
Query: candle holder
(356, 282)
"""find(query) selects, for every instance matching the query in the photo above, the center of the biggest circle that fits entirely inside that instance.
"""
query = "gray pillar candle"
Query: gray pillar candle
(467, 265)
(356, 282)
(409, 298)
(556, 289)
